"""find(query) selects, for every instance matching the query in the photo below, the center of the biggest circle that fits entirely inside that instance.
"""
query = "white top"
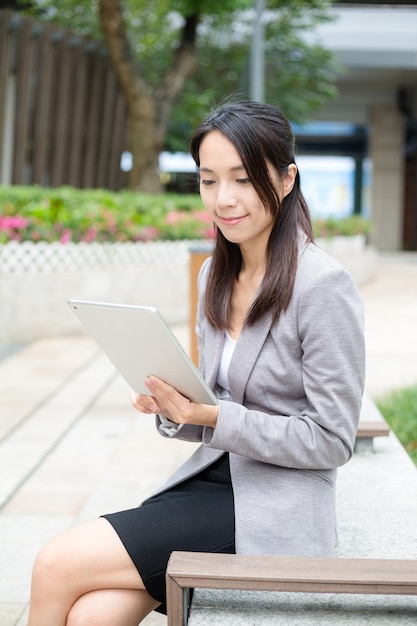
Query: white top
(228, 349)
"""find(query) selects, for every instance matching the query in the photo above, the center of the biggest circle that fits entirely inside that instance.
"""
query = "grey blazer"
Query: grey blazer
(296, 390)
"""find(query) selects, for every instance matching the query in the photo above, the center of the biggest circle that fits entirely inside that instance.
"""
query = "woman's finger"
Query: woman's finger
(144, 403)
(172, 402)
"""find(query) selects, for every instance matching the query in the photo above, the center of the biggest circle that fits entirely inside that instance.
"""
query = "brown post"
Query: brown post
(198, 255)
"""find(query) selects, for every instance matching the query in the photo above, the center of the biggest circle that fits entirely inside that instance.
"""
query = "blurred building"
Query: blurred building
(375, 114)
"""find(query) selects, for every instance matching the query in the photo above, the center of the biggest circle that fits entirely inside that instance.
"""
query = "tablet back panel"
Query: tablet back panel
(139, 343)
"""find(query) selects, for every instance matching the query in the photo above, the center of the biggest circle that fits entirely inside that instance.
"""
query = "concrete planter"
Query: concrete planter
(339, 245)
(36, 280)
(354, 253)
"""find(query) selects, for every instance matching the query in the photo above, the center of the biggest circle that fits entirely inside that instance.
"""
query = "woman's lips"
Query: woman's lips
(231, 221)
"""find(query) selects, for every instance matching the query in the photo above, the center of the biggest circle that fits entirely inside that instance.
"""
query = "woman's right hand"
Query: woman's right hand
(167, 401)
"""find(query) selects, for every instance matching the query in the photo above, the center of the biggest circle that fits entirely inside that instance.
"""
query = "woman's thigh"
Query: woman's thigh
(89, 556)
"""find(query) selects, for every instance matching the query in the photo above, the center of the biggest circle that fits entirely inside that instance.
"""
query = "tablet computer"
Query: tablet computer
(139, 343)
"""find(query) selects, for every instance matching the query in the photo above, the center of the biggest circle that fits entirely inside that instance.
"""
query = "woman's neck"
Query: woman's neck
(253, 265)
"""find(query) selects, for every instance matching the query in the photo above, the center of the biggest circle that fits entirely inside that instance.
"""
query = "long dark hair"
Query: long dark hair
(262, 136)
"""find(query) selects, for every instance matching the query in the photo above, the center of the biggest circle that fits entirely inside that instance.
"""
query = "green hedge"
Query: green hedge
(67, 214)
(400, 411)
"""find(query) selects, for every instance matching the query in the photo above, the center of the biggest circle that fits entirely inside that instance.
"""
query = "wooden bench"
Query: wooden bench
(366, 432)
(188, 570)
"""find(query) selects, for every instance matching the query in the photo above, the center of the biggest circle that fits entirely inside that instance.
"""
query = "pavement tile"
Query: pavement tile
(10, 614)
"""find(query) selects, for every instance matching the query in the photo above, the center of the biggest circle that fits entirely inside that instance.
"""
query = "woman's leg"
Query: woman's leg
(86, 558)
(111, 607)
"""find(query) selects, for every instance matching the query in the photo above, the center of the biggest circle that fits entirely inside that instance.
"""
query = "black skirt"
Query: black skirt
(195, 516)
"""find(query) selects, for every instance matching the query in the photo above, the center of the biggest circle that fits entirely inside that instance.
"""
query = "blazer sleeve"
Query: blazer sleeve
(328, 318)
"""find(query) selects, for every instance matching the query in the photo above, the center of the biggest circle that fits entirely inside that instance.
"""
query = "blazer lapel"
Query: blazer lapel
(245, 354)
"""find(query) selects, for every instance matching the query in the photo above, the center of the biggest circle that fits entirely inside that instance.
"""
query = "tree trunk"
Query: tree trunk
(140, 106)
(145, 149)
(148, 111)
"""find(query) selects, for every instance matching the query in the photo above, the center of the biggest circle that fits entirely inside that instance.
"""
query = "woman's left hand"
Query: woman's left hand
(169, 402)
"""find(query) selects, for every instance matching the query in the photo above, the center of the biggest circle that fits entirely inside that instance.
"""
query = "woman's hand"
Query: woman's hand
(167, 401)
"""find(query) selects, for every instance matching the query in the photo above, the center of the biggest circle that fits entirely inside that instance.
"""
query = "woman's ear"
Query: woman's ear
(289, 179)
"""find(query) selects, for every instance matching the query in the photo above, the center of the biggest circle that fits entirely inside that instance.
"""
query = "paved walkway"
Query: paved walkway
(391, 324)
(71, 447)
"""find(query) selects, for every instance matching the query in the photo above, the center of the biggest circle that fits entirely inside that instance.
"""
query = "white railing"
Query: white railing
(29, 257)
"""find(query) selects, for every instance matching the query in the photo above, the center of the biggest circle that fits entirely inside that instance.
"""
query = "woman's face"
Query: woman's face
(229, 195)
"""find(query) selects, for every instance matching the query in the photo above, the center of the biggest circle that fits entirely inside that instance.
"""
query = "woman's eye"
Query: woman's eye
(243, 181)
(206, 181)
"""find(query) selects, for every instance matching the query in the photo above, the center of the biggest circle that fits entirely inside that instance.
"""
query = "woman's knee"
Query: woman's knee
(50, 568)
(82, 615)
(111, 607)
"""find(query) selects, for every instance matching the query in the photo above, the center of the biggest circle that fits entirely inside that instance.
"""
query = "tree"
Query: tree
(300, 75)
(149, 108)
(156, 47)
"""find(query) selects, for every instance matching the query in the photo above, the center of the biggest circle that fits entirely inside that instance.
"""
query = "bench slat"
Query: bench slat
(292, 574)
(372, 429)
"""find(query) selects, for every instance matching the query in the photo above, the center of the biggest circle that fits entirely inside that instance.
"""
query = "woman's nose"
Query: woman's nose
(225, 197)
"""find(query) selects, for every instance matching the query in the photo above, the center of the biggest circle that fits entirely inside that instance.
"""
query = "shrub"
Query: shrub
(347, 227)
(96, 215)
(400, 411)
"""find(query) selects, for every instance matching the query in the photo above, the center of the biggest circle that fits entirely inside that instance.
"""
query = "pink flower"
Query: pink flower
(7, 223)
(210, 233)
(147, 233)
(66, 236)
(173, 217)
(110, 221)
(90, 235)
(202, 216)
(205, 219)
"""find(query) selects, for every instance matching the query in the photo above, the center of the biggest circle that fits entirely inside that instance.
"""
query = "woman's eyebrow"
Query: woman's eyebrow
(236, 168)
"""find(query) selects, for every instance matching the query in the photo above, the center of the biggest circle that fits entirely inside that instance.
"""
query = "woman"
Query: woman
(281, 343)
